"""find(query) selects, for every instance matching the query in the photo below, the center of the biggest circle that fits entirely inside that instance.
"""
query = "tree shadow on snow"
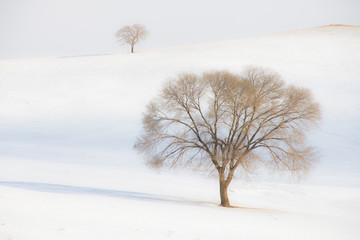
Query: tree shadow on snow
(67, 189)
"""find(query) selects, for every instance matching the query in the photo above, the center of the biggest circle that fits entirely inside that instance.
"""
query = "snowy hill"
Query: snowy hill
(68, 125)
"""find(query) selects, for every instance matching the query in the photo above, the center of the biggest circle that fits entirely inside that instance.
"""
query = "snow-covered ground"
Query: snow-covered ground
(67, 126)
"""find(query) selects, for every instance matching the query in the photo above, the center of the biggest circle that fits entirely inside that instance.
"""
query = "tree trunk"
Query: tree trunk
(223, 191)
(132, 48)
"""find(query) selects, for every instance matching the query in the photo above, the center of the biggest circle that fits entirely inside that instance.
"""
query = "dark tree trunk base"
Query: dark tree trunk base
(225, 205)
(224, 194)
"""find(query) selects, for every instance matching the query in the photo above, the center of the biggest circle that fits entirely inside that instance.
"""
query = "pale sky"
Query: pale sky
(35, 28)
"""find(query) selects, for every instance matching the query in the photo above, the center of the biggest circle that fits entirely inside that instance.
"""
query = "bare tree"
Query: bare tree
(229, 122)
(131, 35)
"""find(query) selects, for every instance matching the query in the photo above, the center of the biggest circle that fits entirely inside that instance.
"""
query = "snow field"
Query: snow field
(67, 126)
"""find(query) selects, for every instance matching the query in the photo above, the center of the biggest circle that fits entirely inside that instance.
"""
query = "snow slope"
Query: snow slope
(67, 126)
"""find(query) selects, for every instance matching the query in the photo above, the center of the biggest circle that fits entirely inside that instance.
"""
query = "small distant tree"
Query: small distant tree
(229, 122)
(131, 35)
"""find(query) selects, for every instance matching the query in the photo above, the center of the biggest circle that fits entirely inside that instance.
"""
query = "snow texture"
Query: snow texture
(68, 123)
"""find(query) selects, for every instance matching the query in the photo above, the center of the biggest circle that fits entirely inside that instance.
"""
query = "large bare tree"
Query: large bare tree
(230, 122)
(131, 35)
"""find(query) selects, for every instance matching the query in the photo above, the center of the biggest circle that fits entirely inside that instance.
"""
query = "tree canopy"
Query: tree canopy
(132, 35)
(229, 121)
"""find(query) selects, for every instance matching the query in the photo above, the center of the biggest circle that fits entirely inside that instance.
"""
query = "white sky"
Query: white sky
(33, 28)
